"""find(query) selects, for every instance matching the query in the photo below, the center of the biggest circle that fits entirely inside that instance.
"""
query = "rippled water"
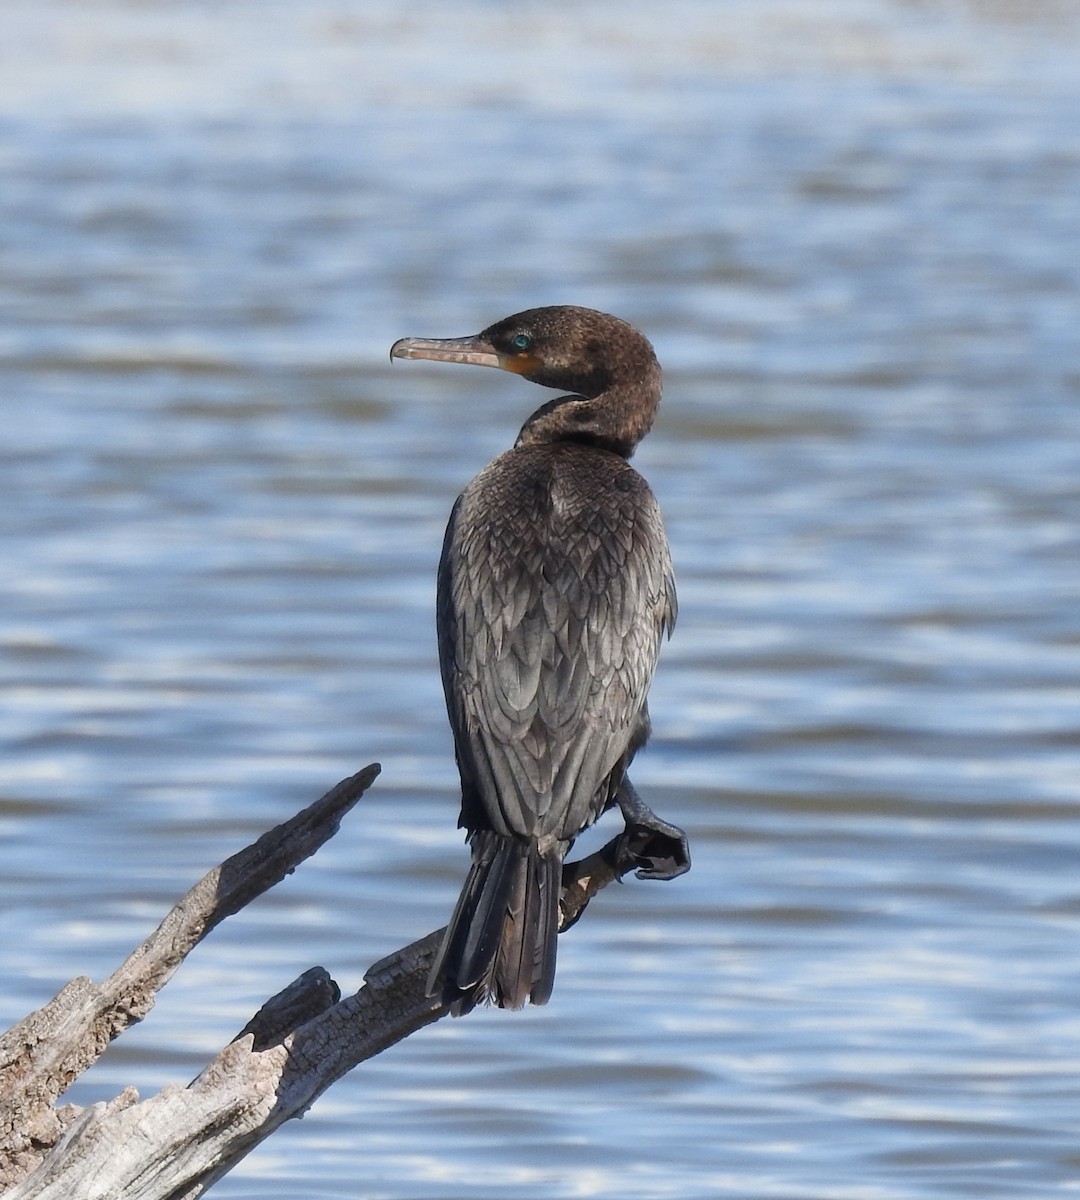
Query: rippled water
(853, 234)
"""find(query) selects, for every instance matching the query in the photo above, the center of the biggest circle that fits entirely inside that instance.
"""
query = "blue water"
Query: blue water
(852, 232)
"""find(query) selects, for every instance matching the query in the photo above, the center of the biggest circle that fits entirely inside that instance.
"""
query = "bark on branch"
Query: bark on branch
(174, 1145)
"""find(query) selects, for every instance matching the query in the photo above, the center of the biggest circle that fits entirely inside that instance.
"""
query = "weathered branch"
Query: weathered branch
(174, 1145)
(42, 1055)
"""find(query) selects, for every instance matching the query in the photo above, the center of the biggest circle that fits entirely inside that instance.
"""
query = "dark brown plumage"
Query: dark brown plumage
(555, 588)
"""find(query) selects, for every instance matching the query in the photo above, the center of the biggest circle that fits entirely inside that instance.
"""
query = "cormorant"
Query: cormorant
(555, 588)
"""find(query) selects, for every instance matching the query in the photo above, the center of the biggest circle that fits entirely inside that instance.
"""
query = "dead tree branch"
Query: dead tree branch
(175, 1145)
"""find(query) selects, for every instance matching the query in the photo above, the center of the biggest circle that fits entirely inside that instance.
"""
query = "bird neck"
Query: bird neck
(615, 420)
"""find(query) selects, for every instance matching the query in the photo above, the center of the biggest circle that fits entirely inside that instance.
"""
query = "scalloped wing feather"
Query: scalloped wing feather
(555, 589)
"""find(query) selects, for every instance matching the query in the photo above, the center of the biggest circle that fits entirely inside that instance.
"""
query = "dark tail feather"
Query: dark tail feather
(500, 943)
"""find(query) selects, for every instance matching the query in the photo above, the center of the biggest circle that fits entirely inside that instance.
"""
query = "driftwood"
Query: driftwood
(175, 1145)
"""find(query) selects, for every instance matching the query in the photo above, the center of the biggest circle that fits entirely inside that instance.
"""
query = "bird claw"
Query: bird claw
(658, 850)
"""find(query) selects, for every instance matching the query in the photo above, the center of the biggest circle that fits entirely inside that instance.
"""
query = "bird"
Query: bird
(555, 590)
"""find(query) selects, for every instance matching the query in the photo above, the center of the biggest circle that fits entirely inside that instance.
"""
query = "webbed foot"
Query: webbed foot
(657, 849)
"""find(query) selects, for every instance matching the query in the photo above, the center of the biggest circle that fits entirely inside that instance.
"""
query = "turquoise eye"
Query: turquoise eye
(522, 341)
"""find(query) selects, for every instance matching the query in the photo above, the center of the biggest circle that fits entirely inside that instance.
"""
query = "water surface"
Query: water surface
(852, 233)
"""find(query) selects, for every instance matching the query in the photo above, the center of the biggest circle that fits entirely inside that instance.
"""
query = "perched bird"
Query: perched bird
(554, 590)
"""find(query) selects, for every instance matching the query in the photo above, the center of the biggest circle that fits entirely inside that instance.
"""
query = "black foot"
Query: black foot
(658, 850)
